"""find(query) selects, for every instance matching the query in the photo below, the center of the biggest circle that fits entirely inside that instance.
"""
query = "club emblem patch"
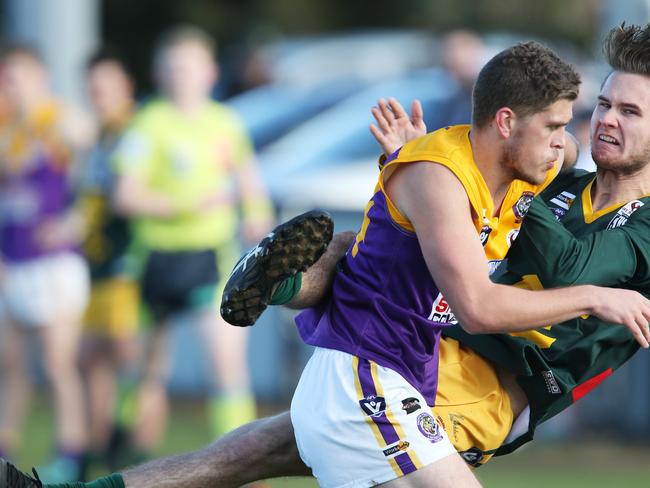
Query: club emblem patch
(520, 208)
(428, 427)
(624, 213)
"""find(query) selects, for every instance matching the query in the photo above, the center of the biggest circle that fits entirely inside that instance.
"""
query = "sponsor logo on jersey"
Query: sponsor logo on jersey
(624, 213)
(456, 424)
(400, 446)
(428, 427)
(410, 405)
(512, 236)
(473, 456)
(373, 406)
(493, 265)
(564, 200)
(485, 234)
(441, 312)
(523, 204)
(551, 383)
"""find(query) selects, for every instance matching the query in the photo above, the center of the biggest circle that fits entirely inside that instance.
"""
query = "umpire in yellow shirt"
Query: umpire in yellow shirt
(185, 167)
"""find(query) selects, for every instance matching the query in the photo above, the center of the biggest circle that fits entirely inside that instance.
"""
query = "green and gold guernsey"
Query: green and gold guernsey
(559, 364)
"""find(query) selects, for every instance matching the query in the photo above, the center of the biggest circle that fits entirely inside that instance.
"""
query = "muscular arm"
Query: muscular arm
(441, 217)
(547, 249)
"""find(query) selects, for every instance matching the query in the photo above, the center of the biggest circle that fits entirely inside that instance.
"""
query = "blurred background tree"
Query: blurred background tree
(236, 23)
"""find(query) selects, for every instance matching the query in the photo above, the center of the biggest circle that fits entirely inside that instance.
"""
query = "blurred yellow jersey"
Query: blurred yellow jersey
(451, 147)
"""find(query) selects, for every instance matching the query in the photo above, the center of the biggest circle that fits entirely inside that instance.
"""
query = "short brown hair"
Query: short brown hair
(527, 78)
(627, 49)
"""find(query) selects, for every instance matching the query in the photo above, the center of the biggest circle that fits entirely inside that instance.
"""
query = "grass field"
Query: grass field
(588, 465)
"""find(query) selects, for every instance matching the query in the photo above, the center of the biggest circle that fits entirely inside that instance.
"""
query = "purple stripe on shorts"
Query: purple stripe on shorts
(387, 430)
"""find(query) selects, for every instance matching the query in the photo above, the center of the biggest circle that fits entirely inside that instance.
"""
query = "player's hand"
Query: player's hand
(64, 230)
(394, 126)
(625, 307)
(214, 200)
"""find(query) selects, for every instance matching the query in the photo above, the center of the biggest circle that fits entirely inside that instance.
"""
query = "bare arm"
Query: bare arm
(256, 205)
(441, 217)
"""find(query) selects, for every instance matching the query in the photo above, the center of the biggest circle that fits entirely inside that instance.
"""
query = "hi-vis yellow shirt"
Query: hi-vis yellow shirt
(451, 148)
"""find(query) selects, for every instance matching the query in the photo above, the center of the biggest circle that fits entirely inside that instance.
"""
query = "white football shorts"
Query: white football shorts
(358, 424)
(37, 290)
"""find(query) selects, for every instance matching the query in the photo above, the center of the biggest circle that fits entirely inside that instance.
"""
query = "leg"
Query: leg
(232, 402)
(61, 348)
(262, 449)
(290, 248)
(317, 280)
(151, 399)
(15, 386)
(101, 390)
(108, 354)
(449, 472)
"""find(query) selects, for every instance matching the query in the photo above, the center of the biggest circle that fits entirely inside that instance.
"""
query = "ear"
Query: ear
(505, 120)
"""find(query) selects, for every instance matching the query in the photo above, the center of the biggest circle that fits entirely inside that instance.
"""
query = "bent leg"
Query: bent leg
(448, 472)
(317, 280)
(262, 449)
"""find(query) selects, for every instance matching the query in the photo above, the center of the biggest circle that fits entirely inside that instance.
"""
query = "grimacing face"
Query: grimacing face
(620, 123)
(537, 142)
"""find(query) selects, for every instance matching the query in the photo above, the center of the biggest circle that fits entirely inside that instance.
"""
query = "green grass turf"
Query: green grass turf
(589, 465)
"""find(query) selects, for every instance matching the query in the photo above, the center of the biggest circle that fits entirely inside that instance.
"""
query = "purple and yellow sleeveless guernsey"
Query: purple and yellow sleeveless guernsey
(34, 182)
(385, 306)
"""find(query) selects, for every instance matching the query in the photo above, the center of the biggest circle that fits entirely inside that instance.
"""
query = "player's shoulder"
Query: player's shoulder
(570, 182)
(153, 114)
(442, 141)
(223, 113)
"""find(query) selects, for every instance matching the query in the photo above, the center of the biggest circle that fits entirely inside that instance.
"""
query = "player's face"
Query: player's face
(187, 71)
(620, 124)
(537, 142)
(23, 79)
(109, 89)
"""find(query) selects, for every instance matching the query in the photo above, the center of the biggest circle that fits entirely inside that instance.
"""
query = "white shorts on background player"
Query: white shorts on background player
(35, 291)
(358, 424)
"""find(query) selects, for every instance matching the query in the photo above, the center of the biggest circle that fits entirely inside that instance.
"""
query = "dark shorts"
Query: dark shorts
(179, 281)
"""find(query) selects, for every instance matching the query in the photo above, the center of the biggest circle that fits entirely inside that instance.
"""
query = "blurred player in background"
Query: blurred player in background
(43, 279)
(185, 168)
(109, 345)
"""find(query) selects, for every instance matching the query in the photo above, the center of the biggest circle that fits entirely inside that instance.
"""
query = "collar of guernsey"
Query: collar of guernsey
(382, 305)
(450, 147)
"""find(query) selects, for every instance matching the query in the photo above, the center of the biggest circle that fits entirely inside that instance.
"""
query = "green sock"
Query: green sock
(286, 290)
(227, 412)
(115, 480)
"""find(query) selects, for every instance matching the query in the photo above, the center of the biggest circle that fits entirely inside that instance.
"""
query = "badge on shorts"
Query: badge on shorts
(373, 405)
(396, 448)
(429, 427)
(410, 405)
(473, 456)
